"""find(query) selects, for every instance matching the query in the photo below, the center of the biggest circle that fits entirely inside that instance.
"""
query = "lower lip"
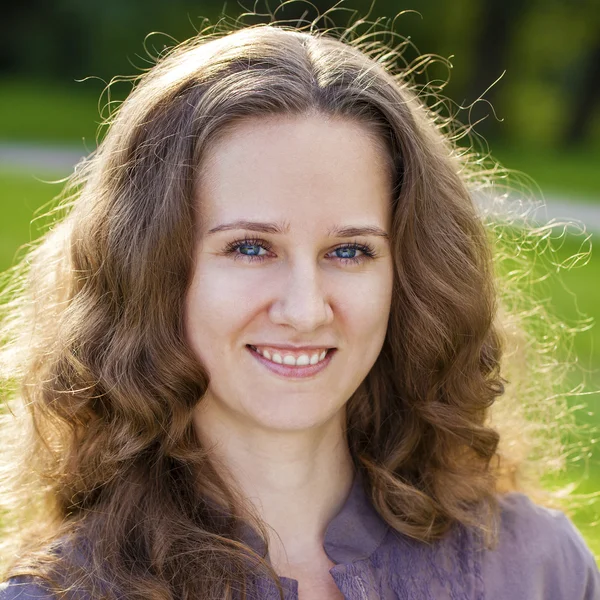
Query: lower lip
(291, 371)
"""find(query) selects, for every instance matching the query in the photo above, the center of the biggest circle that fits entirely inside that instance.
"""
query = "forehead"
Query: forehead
(301, 169)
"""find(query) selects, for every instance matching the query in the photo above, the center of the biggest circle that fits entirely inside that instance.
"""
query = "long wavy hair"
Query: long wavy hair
(106, 483)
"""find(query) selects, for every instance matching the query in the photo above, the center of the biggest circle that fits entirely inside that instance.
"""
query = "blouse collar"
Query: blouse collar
(353, 534)
(357, 530)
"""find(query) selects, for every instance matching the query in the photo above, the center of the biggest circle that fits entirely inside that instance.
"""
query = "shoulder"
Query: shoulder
(30, 587)
(24, 588)
(540, 554)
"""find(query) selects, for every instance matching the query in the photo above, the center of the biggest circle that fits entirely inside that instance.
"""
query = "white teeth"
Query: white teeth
(288, 359)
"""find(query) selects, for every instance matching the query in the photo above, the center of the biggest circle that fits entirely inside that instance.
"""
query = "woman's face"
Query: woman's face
(291, 209)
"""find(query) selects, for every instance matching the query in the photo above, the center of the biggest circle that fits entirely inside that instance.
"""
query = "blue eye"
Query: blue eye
(349, 253)
(249, 251)
(346, 250)
(254, 249)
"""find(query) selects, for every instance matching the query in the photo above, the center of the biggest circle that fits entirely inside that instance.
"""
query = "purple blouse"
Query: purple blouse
(540, 556)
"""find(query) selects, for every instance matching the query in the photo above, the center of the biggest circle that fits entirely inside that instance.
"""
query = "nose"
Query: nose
(302, 303)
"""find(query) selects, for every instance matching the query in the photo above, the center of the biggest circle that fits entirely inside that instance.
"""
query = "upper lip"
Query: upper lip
(292, 347)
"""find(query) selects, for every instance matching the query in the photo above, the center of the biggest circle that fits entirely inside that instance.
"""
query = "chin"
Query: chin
(284, 416)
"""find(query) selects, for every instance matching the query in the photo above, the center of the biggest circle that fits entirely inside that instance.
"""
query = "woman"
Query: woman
(261, 349)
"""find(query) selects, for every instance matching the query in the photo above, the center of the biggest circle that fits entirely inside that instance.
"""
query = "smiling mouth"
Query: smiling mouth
(283, 357)
(294, 372)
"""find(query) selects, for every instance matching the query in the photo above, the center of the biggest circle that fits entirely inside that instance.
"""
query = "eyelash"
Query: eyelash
(231, 248)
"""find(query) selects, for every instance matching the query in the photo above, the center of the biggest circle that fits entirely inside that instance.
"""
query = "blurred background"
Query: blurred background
(57, 57)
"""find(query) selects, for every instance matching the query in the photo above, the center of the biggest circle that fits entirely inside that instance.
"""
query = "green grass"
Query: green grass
(573, 295)
(33, 111)
(20, 197)
(572, 175)
(568, 290)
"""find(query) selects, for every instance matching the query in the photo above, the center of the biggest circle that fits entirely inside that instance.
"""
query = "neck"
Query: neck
(296, 481)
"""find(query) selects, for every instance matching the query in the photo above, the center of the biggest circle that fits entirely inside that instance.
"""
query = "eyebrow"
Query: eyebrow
(282, 228)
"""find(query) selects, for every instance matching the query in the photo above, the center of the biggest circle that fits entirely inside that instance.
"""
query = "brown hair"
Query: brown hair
(94, 344)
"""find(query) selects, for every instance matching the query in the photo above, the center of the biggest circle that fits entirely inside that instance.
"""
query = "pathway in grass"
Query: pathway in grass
(30, 158)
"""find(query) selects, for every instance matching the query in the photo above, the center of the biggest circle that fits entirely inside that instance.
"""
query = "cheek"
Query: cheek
(367, 314)
(370, 298)
(369, 311)
(362, 317)
(211, 306)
